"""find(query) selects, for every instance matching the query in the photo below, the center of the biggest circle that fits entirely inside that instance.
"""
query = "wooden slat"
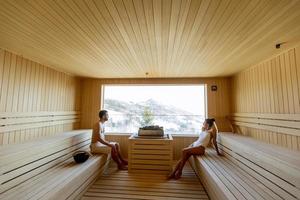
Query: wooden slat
(283, 190)
(257, 189)
(287, 117)
(35, 101)
(150, 155)
(124, 185)
(40, 170)
(21, 166)
(268, 107)
(27, 120)
(231, 177)
(286, 131)
(16, 148)
(211, 181)
(5, 115)
(51, 170)
(71, 179)
(16, 172)
(164, 38)
(283, 164)
(50, 183)
(47, 123)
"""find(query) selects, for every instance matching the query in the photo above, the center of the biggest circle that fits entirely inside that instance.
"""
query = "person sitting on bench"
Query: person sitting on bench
(100, 145)
(209, 132)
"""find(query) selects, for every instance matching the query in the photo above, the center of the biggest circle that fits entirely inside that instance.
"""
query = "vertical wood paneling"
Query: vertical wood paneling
(27, 86)
(274, 88)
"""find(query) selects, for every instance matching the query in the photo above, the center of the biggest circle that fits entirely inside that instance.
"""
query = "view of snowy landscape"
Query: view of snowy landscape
(181, 111)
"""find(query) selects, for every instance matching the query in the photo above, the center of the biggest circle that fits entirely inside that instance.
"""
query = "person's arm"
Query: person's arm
(105, 142)
(96, 131)
(214, 135)
(213, 132)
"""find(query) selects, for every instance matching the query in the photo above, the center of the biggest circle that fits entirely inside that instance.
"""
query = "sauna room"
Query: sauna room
(149, 99)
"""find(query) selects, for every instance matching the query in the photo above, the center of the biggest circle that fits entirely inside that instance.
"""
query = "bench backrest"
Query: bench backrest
(14, 121)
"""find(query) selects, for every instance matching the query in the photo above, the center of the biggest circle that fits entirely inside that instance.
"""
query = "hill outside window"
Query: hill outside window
(180, 109)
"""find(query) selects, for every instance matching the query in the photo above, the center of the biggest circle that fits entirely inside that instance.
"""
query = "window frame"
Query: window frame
(154, 84)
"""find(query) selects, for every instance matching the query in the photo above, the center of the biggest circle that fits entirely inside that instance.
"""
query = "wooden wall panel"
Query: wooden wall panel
(217, 105)
(271, 87)
(179, 142)
(29, 87)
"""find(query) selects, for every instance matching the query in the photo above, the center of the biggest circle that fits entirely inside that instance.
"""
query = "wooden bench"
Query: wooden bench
(45, 169)
(250, 169)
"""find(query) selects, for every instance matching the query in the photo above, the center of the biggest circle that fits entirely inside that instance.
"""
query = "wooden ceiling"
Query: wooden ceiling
(166, 38)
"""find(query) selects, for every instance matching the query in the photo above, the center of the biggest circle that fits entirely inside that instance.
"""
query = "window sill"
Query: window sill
(129, 134)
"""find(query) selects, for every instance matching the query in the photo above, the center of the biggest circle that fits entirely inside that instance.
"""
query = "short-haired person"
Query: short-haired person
(208, 134)
(100, 145)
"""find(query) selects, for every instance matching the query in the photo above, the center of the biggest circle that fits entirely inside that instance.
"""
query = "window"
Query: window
(180, 109)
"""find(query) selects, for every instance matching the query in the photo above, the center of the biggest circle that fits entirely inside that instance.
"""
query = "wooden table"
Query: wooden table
(150, 154)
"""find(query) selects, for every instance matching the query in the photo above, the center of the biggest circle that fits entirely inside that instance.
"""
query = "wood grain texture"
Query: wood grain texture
(150, 155)
(45, 168)
(234, 177)
(278, 161)
(271, 88)
(179, 142)
(167, 38)
(217, 102)
(30, 89)
(116, 184)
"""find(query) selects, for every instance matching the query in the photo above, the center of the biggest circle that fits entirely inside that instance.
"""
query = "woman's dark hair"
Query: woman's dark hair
(102, 113)
(210, 122)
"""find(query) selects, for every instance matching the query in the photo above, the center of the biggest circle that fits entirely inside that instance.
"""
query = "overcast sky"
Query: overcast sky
(186, 97)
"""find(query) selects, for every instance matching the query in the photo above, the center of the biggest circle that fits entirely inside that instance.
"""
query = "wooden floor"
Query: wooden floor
(116, 184)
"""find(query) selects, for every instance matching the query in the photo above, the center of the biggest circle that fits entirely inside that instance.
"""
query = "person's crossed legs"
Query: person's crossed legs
(186, 153)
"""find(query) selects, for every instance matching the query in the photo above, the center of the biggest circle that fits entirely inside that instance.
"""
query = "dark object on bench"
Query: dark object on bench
(45, 169)
(81, 156)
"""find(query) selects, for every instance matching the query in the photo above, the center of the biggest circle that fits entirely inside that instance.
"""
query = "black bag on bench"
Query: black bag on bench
(81, 156)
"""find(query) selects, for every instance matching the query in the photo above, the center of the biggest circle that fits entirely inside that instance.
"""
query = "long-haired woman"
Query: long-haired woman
(208, 134)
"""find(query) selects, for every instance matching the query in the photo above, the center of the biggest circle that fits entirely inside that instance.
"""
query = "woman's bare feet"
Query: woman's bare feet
(172, 175)
(178, 174)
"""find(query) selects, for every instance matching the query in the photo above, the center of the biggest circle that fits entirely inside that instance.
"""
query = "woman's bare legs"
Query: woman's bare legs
(186, 153)
(172, 175)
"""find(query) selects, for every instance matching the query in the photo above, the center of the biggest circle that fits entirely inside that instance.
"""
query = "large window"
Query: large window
(180, 109)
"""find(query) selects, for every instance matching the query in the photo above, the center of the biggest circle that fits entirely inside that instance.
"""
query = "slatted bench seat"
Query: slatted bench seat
(44, 168)
(250, 169)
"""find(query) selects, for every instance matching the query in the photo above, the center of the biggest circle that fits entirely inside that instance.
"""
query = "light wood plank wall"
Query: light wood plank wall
(270, 88)
(179, 142)
(217, 102)
(32, 88)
